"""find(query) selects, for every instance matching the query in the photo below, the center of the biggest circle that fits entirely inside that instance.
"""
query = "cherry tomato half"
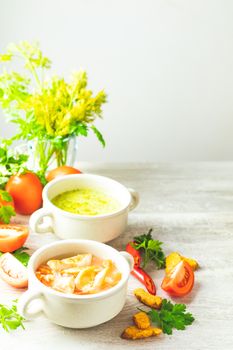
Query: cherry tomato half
(12, 271)
(180, 280)
(61, 171)
(12, 237)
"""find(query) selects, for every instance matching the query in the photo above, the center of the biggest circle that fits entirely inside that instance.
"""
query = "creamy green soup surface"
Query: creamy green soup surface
(86, 201)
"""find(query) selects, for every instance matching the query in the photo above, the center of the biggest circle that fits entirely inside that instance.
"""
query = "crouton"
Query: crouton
(148, 299)
(141, 320)
(133, 332)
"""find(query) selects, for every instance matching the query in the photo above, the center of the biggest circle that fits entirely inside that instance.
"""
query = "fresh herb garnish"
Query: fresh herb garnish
(151, 249)
(9, 317)
(22, 256)
(6, 211)
(170, 316)
(10, 164)
(5, 196)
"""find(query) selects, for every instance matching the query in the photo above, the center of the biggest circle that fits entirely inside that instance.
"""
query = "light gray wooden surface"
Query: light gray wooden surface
(190, 207)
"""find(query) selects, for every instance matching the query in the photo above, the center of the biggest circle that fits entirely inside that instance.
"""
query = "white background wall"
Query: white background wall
(167, 66)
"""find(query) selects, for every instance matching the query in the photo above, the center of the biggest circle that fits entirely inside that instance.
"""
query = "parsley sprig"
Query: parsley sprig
(6, 211)
(21, 255)
(151, 249)
(10, 164)
(10, 318)
(171, 316)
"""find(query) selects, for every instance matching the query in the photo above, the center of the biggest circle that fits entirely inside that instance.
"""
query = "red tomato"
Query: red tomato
(12, 237)
(61, 171)
(180, 280)
(12, 271)
(26, 190)
(4, 203)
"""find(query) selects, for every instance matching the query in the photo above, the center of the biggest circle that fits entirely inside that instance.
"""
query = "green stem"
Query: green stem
(32, 68)
(44, 152)
(42, 161)
(50, 152)
(65, 152)
(146, 258)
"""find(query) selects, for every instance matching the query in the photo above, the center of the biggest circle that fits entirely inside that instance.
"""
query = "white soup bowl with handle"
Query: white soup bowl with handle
(66, 225)
(71, 310)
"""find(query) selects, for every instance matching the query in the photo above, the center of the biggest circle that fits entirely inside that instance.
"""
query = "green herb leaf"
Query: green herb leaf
(6, 212)
(151, 249)
(42, 177)
(10, 164)
(171, 316)
(5, 196)
(10, 318)
(98, 135)
(79, 129)
(22, 256)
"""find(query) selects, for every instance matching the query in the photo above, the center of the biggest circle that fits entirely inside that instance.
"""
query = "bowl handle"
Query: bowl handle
(134, 198)
(129, 259)
(35, 221)
(24, 303)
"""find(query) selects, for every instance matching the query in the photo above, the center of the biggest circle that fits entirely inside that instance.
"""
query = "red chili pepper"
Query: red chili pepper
(135, 254)
(138, 272)
(145, 279)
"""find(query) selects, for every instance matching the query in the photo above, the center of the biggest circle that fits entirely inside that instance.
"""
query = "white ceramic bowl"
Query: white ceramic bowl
(102, 228)
(68, 310)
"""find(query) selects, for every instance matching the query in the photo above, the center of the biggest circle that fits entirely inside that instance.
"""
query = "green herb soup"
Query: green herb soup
(86, 201)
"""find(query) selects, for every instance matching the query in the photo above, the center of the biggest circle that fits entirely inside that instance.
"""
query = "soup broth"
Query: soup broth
(86, 201)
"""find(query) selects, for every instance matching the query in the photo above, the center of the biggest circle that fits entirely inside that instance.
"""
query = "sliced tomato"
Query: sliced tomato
(12, 237)
(180, 280)
(12, 271)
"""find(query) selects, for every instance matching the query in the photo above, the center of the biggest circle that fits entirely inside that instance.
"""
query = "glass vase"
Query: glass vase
(45, 155)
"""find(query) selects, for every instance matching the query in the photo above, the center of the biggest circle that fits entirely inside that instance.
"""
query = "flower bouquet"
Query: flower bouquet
(49, 113)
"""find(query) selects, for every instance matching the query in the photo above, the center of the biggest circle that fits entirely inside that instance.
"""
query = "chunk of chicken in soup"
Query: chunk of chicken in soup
(79, 274)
